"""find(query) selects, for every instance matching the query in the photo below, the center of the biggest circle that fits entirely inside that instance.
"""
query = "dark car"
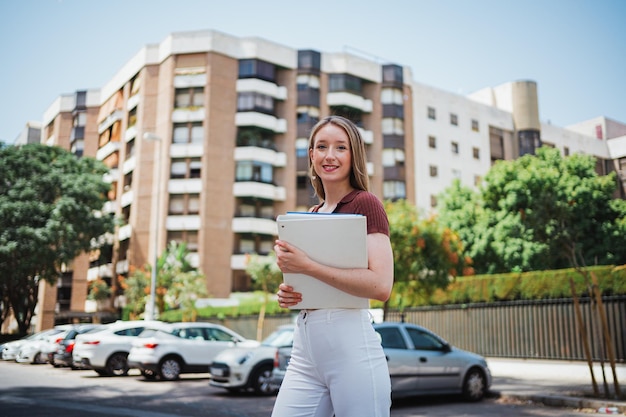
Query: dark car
(62, 355)
(420, 363)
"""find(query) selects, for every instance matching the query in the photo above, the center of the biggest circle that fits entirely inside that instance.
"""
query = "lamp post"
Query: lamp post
(153, 278)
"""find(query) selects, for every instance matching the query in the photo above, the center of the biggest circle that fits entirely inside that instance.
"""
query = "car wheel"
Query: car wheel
(260, 380)
(117, 365)
(169, 369)
(474, 385)
(38, 358)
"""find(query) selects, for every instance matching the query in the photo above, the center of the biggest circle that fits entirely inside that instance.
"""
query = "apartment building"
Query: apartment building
(205, 135)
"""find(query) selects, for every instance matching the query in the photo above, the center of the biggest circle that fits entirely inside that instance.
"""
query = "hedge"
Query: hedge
(530, 285)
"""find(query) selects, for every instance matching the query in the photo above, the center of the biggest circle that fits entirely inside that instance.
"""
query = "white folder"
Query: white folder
(337, 240)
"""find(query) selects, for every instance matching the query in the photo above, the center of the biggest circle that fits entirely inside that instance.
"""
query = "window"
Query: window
(431, 113)
(392, 126)
(455, 148)
(189, 97)
(391, 96)
(130, 149)
(132, 117)
(393, 74)
(566, 151)
(251, 101)
(182, 204)
(432, 142)
(309, 59)
(475, 125)
(394, 190)
(80, 119)
(424, 341)
(391, 338)
(477, 180)
(393, 157)
(254, 171)
(454, 120)
(188, 133)
(433, 170)
(188, 237)
(345, 82)
(476, 152)
(456, 173)
(186, 168)
(254, 68)
(433, 201)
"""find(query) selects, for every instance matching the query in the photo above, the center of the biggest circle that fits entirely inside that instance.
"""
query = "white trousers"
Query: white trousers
(337, 367)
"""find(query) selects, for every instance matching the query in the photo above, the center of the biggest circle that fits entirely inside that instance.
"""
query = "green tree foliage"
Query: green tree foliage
(50, 204)
(540, 212)
(427, 256)
(178, 284)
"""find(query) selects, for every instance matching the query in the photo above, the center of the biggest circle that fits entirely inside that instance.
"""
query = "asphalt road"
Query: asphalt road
(44, 391)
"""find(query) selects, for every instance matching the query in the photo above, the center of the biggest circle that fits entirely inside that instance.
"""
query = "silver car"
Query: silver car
(420, 363)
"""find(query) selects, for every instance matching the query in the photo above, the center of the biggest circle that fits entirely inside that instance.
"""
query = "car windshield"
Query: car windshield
(279, 338)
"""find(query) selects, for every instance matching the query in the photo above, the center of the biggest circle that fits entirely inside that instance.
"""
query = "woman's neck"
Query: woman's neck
(334, 197)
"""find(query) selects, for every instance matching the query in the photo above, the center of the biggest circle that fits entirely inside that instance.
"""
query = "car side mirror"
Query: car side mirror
(446, 348)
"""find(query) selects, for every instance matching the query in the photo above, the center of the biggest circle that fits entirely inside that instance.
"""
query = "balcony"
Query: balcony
(127, 199)
(260, 86)
(190, 80)
(239, 262)
(349, 100)
(183, 222)
(254, 153)
(116, 116)
(130, 134)
(367, 135)
(107, 150)
(184, 186)
(129, 165)
(254, 225)
(191, 114)
(259, 190)
(124, 232)
(261, 120)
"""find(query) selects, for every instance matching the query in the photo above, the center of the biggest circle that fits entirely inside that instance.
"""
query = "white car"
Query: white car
(10, 350)
(106, 348)
(250, 368)
(177, 348)
(36, 351)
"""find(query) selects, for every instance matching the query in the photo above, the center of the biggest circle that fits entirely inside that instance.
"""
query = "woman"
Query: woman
(337, 365)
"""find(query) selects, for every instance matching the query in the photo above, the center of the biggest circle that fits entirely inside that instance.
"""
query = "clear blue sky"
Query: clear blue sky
(574, 49)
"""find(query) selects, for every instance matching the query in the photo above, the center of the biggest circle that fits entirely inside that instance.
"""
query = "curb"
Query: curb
(555, 400)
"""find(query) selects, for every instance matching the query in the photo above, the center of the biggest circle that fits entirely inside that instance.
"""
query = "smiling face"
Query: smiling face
(331, 156)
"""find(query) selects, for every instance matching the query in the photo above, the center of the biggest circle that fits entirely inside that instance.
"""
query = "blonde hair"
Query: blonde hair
(358, 172)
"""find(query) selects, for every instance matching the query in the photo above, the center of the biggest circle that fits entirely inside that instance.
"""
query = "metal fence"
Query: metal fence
(542, 329)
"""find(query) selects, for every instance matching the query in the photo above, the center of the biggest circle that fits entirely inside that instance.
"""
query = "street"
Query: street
(44, 391)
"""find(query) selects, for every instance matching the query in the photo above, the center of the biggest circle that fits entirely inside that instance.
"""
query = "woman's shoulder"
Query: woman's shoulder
(367, 197)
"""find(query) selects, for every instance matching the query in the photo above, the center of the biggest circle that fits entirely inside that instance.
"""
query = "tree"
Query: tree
(427, 256)
(178, 284)
(547, 212)
(267, 276)
(50, 204)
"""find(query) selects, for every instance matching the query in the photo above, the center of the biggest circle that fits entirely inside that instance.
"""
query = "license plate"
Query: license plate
(217, 372)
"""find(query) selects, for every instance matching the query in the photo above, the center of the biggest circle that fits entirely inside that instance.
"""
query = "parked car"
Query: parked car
(61, 356)
(250, 368)
(420, 363)
(176, 348)
(105, 349)
(10, 350)
(36, 351)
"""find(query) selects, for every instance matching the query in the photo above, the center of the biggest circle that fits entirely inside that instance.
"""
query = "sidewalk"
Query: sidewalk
(556, 383)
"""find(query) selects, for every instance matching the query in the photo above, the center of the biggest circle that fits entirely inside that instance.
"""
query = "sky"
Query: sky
(574, 49)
